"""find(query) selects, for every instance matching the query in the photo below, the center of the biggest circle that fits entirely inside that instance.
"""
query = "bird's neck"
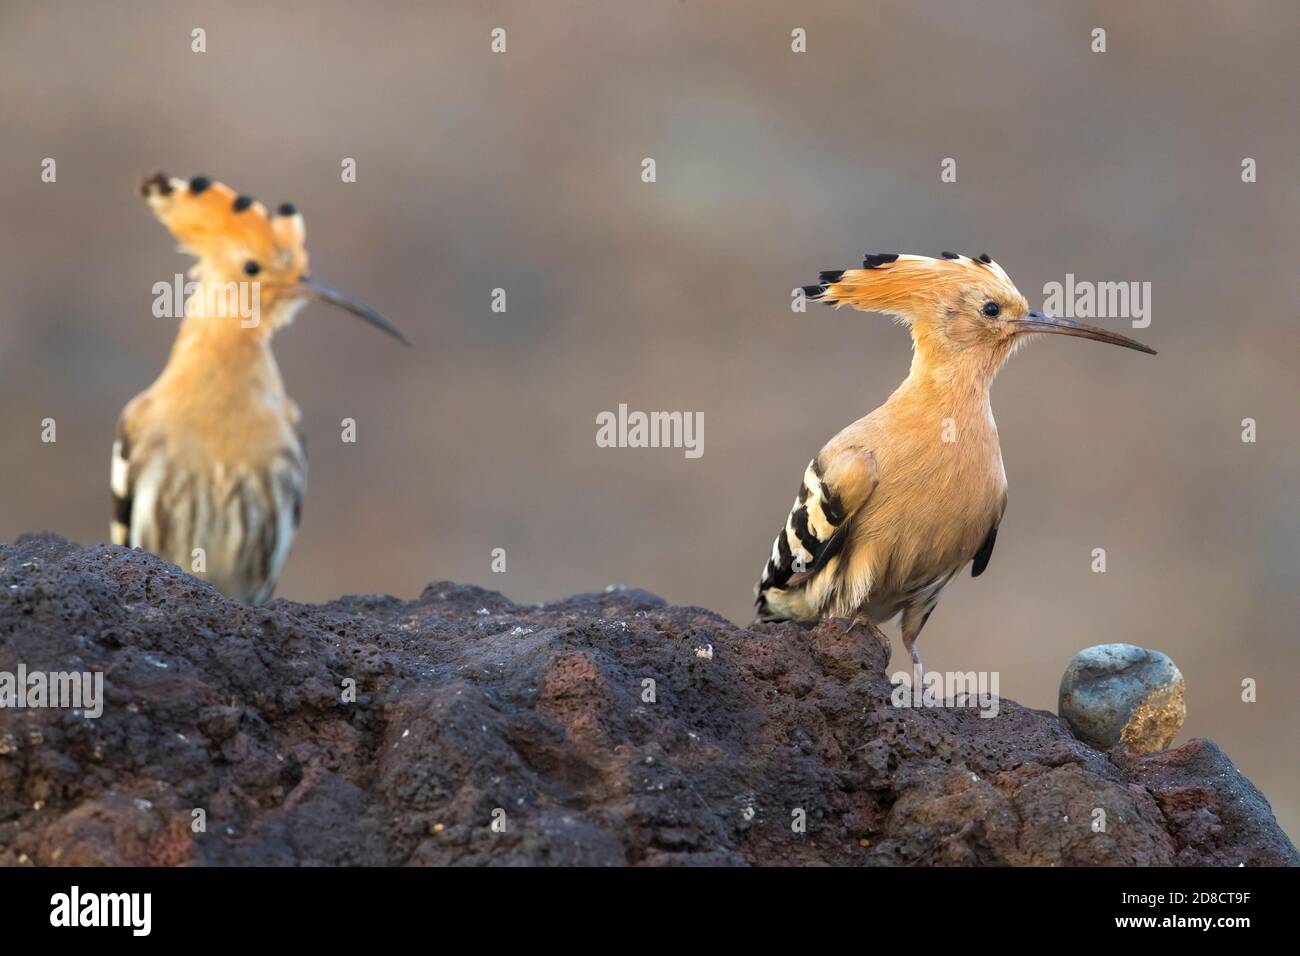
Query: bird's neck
(958, 382)
(224, 355)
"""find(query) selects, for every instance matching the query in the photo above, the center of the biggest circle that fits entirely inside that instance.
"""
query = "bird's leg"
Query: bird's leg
(918, 670)
(914, 619)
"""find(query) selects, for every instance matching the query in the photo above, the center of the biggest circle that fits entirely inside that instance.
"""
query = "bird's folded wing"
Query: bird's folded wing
(834, 489)
(121, 483)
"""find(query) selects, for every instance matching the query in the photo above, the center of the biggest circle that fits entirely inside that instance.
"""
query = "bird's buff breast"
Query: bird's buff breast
(917, 531)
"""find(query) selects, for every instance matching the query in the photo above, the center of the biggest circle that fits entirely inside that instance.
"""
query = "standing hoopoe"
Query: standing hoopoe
(896, 504)
(209, 468)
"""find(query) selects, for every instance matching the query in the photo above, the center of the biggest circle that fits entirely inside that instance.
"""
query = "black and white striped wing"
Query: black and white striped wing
(121, 485)
(814, 533)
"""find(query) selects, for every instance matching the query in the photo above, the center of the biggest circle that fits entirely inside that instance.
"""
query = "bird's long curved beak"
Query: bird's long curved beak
(309, 288)
(1041, 322)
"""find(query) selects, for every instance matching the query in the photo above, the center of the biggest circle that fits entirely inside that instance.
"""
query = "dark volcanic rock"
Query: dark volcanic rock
(470, 709)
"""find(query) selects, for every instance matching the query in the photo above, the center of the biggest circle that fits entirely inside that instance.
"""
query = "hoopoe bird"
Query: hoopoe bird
(209, 468)
(896, 504)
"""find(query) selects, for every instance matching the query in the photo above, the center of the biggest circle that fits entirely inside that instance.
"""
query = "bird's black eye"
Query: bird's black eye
(991, 309)
(251, 268)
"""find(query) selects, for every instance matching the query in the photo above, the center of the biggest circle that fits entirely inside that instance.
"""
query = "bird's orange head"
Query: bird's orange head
(238, 241)
(957, 308)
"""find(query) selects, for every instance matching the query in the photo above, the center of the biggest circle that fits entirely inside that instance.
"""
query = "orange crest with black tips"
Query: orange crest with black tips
(234, 237)
(909, 285)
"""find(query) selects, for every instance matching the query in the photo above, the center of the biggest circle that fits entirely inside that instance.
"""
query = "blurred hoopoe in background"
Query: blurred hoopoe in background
(898, 502)
(209, 456)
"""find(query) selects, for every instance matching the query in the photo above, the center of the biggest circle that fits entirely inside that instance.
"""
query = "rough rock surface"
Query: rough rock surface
(470, 708)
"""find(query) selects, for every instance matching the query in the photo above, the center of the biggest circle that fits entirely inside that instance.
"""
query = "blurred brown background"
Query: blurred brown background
(522, 171)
